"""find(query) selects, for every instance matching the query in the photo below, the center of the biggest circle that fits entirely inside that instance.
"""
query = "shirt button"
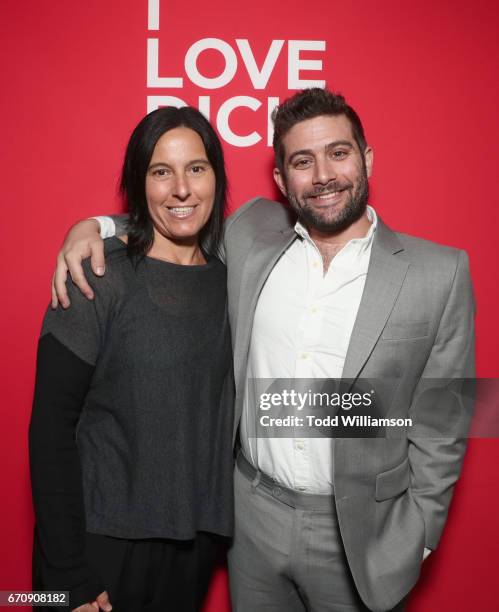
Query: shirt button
(299, 445)
(302, 488)
(313, 309)
(315, 264)
(304, 355)
(277, 491)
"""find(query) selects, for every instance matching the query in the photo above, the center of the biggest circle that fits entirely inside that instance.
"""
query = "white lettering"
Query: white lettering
(193, 53)
(217, 109)
(153, 15)
(295, 64)
(327, 421)
(153, 78)
(223, 121)
(271, 104)
(259, 78)
(204, 106)
(155, 102)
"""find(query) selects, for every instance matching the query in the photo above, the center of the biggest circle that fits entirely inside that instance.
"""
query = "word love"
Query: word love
(259, 75)
(234, 59)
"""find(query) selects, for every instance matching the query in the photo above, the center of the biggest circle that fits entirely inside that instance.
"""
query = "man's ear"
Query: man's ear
(279, 179)
(369, 160)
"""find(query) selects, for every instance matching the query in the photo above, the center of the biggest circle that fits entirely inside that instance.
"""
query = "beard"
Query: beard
(353, 209)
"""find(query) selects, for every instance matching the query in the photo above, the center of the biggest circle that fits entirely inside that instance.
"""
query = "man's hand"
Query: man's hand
(83, 240)
(101, 603)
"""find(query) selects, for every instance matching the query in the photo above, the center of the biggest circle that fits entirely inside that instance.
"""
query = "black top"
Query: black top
(143, 374)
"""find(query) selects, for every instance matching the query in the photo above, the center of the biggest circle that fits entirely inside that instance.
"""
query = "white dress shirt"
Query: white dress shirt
(302, 327)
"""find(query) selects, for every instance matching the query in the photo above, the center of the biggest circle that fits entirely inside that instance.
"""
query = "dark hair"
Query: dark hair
(133, 176)
(308, 104)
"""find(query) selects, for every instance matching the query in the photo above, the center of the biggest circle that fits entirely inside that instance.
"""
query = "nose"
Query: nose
(181, 188)
(324, 171)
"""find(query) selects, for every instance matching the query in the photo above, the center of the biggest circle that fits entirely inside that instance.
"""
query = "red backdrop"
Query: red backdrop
(423, 77)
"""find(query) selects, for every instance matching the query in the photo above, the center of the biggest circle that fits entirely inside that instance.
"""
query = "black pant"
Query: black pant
(155, 575)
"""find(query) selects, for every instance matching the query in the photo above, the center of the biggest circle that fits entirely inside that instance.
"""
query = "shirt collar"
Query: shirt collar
(302, 231)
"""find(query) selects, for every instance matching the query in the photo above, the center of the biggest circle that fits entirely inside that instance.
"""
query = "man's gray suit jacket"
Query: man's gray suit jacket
(415, 322)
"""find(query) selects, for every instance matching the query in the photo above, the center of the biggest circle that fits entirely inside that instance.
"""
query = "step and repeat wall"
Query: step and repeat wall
(78, 76)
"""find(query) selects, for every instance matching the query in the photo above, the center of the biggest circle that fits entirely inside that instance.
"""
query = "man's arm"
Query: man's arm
(435, 460)
(84, 240)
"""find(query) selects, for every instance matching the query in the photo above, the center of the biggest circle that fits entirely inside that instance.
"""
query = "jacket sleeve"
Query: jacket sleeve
(112, 225)
(121, 224)
(442, 407)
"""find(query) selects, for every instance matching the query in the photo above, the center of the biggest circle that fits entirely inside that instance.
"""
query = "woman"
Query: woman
(130, 436)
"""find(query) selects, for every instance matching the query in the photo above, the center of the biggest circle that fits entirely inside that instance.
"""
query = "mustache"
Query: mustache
(328, 188)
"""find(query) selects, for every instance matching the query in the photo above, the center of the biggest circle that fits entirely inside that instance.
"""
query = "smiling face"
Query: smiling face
(180, 186)
(325, 175)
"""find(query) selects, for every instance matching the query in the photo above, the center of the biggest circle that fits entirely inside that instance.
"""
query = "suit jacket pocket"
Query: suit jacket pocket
(393, 482)
(406, 331)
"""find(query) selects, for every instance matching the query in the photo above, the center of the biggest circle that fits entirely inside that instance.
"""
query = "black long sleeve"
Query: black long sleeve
(62, 381)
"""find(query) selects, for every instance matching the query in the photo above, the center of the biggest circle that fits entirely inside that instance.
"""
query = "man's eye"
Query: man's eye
(339, 154)
(197, 169)
(302, 163)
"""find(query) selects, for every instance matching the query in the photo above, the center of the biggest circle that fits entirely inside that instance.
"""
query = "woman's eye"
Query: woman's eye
(160, 172)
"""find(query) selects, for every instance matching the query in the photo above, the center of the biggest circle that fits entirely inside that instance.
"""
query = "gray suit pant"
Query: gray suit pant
(287, 554)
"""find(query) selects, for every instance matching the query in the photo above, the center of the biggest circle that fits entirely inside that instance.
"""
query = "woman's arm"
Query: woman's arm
(62, 381)
(67, 352)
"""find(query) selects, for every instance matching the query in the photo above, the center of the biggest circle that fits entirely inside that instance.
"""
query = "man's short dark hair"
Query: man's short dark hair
(308, 104)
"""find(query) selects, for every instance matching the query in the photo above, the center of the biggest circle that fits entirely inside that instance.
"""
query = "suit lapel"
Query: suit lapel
(384, 280)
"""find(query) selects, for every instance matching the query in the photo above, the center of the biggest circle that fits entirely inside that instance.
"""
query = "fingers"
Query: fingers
(101, 603)
(83, 240)
(78, 276)
(97, 259)
(53, 301)
(59, 283)
(104, 603)
(89, 607)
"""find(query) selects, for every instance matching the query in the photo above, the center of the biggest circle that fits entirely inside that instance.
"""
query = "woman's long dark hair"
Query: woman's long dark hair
(133, 177)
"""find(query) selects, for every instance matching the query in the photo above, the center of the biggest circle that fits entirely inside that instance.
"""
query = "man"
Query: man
(323, 289)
